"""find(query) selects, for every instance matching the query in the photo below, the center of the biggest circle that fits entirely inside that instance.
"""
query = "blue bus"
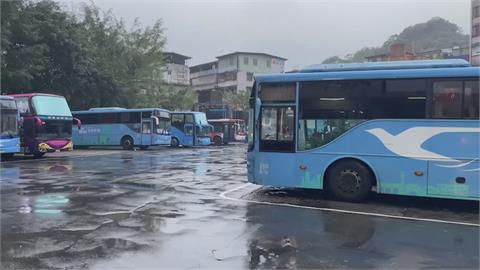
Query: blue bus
(407, 128)
(125, 127)
(190, 129)
(9, 137)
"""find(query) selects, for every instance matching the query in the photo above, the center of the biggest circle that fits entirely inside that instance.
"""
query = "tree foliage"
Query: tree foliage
(92, 59)
(437, 33)
(238, 100)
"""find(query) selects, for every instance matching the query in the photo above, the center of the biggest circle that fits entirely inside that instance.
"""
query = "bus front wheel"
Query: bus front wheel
(127, 143)
(349, 180)
(217, 140)
(38, 154)
(174, 142)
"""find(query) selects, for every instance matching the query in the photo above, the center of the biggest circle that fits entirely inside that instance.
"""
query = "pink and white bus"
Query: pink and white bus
(46, 123)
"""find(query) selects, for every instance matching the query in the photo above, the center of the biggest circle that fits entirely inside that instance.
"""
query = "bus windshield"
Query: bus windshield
(8, 114)
(51, 105)
(201, 119)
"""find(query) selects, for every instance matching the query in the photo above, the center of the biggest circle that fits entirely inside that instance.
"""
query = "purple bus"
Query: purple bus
(47, 123)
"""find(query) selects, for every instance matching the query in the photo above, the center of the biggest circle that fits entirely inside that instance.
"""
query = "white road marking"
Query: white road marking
(224, 196)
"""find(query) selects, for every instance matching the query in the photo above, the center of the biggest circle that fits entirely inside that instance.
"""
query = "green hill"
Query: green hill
(437, 33)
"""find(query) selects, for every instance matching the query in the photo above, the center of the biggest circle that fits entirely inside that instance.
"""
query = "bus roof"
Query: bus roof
(226, 120)
(6, 97)
(372, 74)
(33, 94)
(117, 109)
(184, 112)
(413, 64)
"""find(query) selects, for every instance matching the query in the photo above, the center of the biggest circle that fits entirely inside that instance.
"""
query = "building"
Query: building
(397, 52)
(177, 72)
(400, 52)
(475, 36)
(231, 72)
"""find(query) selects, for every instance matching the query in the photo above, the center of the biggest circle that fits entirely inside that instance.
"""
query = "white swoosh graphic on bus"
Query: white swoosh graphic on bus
(409, 142)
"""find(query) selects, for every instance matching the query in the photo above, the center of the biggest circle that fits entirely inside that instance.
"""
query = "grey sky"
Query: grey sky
(305, 32)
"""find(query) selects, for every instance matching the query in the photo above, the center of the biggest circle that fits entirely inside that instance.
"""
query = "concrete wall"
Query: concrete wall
(177, 74)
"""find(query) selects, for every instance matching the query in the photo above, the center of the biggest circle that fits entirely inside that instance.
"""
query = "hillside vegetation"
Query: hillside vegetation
(437, 33)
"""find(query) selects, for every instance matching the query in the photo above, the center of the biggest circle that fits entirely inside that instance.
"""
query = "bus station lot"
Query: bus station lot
(183, 208)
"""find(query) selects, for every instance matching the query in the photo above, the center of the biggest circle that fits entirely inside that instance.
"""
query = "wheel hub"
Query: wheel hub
(349, 181)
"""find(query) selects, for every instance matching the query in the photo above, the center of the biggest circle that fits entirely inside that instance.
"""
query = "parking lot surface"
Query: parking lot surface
(191, 208)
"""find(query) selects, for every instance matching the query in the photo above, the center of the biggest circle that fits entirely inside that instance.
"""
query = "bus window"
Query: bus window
(398, 95)
(178, 120)
(277, 130)
(278, 93)
(328, 109)
(447, 99)
(471, 100)
(146, 127)
(269, 124)
(189, 118)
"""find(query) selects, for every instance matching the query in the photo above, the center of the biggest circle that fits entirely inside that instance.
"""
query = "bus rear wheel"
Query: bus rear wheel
(174, 142)
(127, 143)
(349, 180)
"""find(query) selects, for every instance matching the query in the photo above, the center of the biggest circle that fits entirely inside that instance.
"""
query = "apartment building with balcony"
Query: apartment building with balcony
(231, 72)
(176, 70)
(475, 35)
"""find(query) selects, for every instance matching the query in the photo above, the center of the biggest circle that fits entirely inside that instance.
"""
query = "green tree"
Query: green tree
(237, 101)
(92, 59)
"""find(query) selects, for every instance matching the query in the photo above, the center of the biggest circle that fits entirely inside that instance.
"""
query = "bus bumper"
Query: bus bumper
(10, 146)
(203, 141)
(52, 146)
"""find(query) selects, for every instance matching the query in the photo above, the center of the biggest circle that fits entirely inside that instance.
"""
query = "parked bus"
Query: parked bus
(125, 127)
(190, 129)
(46, 123)
(233, 129)
(9, 138)
(407, 128)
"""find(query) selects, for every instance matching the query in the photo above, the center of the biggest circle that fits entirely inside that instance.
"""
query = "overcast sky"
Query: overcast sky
(305, 32)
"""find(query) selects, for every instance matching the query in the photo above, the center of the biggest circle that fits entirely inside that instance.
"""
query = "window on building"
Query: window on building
(447, 99)
(269, 63)
(249, 76)
(231, 60)
(476, 30)
(471, 100)
(245, 60)
(476, 12)
(255, 61)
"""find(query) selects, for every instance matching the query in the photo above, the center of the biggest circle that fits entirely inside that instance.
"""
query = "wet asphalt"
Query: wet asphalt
(162, 209)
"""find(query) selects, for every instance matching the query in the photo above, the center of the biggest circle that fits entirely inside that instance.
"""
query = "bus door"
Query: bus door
(147, 129)
(189, 136)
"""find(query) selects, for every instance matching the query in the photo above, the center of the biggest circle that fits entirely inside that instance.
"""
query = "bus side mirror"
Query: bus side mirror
(79, 123)
(157, 121)
(38, 122)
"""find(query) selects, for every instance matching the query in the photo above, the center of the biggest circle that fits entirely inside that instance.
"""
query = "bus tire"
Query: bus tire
(38, 154)
(174, 142)
(7, 156)
(217, 140)
(349, 180)
(127, 143)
